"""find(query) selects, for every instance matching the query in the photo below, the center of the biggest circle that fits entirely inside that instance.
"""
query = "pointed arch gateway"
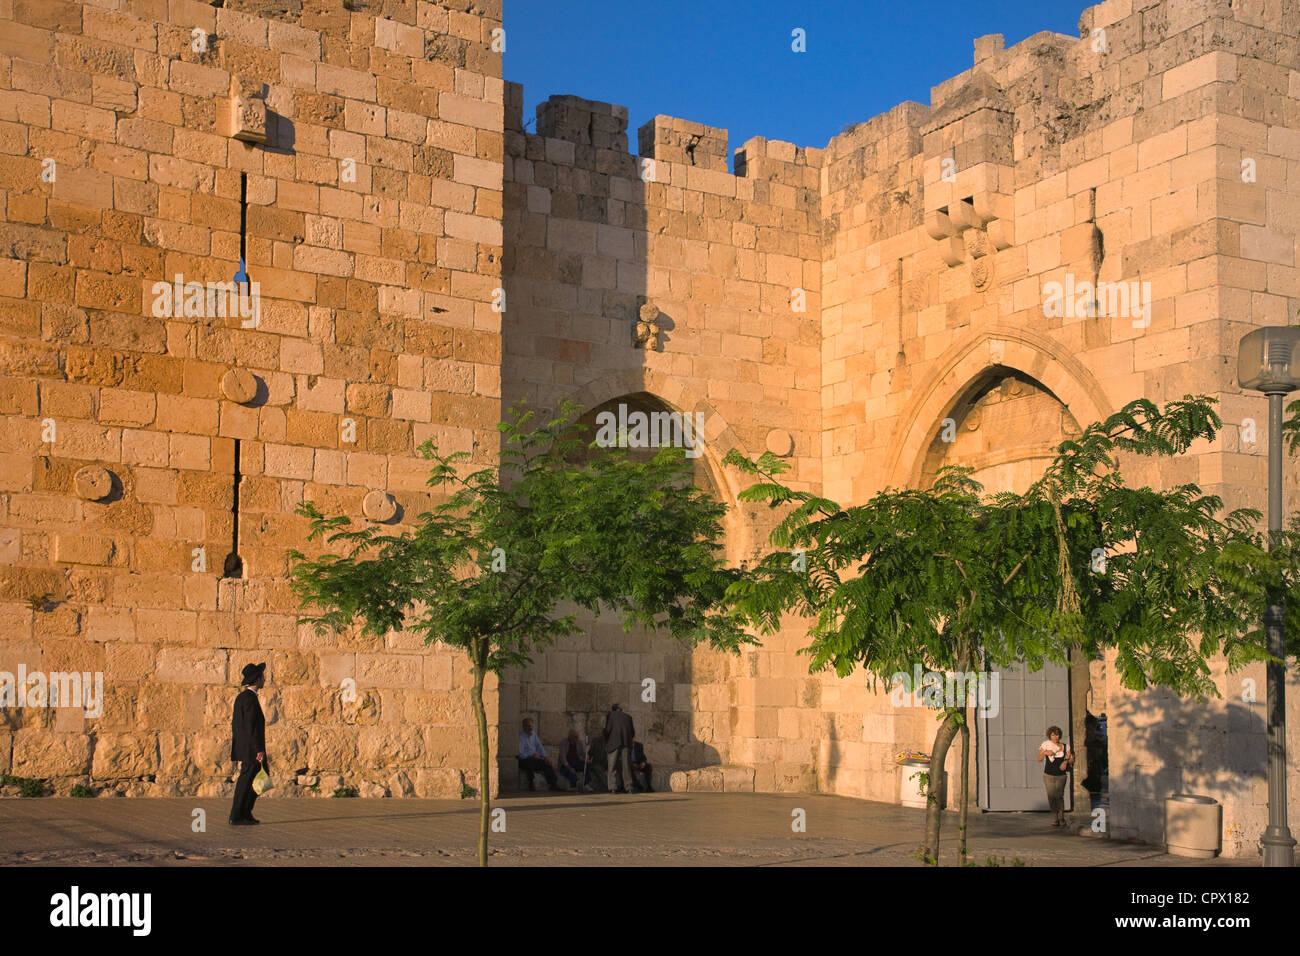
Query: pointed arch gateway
(1011, 397)
(958, 384)
(653, 391)
(572, 684)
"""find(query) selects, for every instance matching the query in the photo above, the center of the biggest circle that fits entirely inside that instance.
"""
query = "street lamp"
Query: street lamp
(1268, 361)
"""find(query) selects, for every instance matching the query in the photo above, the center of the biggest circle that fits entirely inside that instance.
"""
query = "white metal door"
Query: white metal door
(1008, 737)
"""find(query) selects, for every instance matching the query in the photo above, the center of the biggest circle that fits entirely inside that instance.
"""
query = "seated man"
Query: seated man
(639, 766)
(532, 757)
(573, 761)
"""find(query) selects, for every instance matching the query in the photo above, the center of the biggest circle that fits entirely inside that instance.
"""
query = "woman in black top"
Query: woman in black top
(1059, 757)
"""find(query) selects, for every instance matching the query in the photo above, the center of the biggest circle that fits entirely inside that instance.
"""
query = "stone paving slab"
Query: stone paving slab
(557, 829)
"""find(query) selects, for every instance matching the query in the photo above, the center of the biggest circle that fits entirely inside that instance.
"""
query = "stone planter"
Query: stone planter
(1193, 826)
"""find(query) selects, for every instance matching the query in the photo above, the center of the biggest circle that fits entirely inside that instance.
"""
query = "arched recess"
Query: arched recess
(719, 438)
(1016, 350)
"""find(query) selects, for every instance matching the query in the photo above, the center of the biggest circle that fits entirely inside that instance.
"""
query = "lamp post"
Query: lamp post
(1268, 361)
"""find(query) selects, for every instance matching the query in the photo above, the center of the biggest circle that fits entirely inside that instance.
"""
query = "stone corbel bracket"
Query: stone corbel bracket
(248, 116)
(971, 225)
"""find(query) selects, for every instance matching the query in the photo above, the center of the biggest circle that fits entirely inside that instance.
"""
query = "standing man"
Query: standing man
(618, 743)
(532, 756)
(248, 743)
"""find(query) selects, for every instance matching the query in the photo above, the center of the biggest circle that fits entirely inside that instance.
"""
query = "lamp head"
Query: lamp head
(1268, 360)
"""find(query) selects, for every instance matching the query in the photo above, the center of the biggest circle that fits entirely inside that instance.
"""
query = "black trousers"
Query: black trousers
(532, 765)
(645, 771)
(242, 808)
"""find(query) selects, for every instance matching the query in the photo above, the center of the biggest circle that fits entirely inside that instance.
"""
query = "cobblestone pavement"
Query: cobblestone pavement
(556, 829)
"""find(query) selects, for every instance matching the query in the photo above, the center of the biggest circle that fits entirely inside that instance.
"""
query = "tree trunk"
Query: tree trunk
(479, 656)
(965, 786)
(942, 740)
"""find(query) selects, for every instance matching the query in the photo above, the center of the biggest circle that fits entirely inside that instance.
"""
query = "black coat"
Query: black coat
(248, 728)
(618, 731)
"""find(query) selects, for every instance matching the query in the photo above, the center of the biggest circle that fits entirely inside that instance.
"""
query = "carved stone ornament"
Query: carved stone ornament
(780, 443)
(93, 483)
(239, 385)
(379, 506)
(646, 333)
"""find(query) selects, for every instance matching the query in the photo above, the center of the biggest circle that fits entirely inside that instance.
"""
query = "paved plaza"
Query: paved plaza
(558, 829)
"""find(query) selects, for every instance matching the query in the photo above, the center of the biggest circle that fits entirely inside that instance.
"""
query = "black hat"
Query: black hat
(251, 673)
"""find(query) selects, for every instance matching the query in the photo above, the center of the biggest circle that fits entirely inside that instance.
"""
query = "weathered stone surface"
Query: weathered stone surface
(124, 755)
(438, 784)
(38, 753)
(94, 483)
(835, 306)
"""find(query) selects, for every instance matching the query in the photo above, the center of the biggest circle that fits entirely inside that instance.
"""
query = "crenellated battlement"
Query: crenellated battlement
(592, 126)
(667, 139)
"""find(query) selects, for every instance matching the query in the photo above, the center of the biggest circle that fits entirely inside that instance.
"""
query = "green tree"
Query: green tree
(953, 579)
(486, 569)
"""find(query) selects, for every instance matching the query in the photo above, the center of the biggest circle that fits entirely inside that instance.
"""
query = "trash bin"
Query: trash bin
(909, 784)
(1193, 825)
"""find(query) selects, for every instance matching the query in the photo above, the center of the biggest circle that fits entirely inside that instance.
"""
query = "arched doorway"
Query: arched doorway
(1006, 425)
(573, 684)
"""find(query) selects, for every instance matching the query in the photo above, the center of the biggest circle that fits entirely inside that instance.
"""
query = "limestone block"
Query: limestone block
(1000, 234)
(39, 753)
(737, 779)
(438, 784)
(330, 749)
(385, 745)
(952, 250)
(938, 224)
(389, 670)
(400, 785)
(125, 755)
(989, 206)
(705, 780)
(372, 790)
(93, 483)
(177, 665)
(176, 761)
(963, 217)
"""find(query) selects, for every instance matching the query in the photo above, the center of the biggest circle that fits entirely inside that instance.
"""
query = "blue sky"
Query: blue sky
(731, 64)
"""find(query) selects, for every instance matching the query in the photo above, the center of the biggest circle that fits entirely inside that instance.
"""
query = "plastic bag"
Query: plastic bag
(262, 782)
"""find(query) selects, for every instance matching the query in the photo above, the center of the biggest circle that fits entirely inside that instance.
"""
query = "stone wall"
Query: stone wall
(1117, 157)
(366, 143)
(729, 266)
(834, 306)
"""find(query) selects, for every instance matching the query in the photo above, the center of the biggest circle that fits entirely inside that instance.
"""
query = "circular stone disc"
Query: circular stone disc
(780, 443)
(239, 385)
(93, 483)
(379, 506)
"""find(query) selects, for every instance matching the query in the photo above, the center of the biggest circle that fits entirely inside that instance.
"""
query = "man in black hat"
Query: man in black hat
(248, 743)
